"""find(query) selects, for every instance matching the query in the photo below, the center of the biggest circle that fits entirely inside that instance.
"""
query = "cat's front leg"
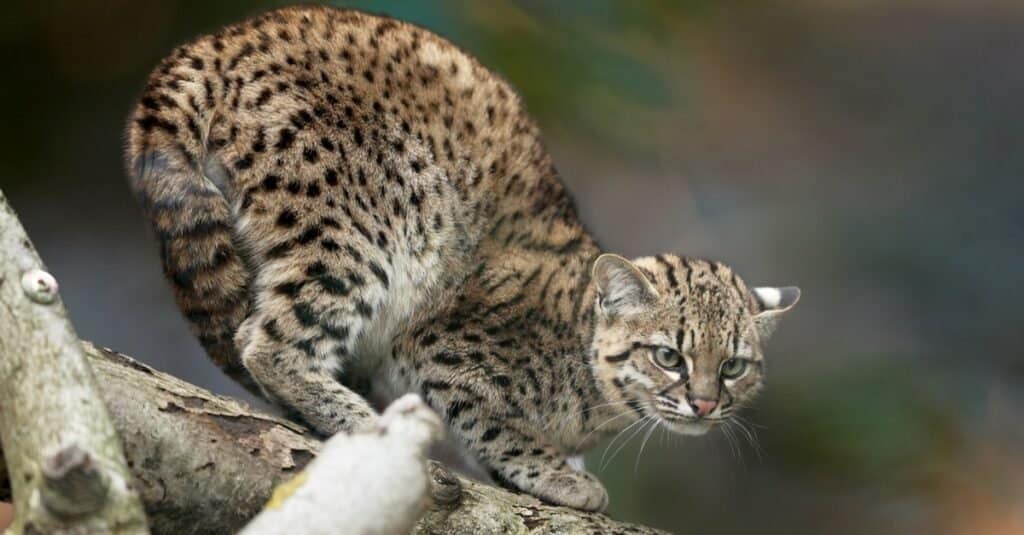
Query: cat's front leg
(476, 394)
(521, 460)
(511, 449)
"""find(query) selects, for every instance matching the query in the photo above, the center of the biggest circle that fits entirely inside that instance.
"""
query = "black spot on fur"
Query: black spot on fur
(245, 162)
(286, 139)
(310, 234)
(290, 289)
(428, 340)
(271, 182)
(304, 313)
(287, 219)
(379, 273)
(447, 359)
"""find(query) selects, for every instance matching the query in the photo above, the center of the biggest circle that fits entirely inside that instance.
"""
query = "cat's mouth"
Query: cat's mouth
(671, 416)
(683, 424)
(686, 425)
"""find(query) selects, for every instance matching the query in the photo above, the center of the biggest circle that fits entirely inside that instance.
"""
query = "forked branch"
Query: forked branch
(58, 440)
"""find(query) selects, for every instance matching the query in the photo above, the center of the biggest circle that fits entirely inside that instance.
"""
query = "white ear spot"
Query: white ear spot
(774, 303)
(770, 297)
(777, 299)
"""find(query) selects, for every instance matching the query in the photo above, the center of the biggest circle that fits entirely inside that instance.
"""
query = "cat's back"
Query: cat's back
(348, 149)
(338, 96)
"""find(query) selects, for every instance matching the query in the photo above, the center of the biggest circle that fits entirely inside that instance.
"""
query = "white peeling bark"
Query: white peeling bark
(374, 481)
(68, 471)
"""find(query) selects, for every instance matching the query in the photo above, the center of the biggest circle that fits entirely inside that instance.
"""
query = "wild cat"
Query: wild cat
(341, 197)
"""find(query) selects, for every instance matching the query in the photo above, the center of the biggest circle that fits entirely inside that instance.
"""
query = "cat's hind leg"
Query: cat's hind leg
(302, 337)
(304, 385)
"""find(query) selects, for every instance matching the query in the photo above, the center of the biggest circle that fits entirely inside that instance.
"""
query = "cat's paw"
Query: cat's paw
(579, 490)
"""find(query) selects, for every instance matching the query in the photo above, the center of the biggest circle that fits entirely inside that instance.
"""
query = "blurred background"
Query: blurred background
(868, 151)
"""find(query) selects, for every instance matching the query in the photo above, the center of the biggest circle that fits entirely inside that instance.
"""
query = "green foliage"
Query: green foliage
(566, 58)
(886, 420)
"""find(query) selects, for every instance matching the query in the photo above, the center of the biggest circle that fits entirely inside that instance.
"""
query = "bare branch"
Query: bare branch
(72, 484)
(55, 430)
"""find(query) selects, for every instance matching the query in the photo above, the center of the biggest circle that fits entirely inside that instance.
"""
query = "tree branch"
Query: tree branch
(58, 438)
(206, 463)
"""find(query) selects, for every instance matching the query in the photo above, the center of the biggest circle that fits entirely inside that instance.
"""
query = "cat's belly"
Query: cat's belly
(417, 279)
(412, 284)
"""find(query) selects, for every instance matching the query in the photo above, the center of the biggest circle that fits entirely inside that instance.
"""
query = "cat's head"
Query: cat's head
(681, 339)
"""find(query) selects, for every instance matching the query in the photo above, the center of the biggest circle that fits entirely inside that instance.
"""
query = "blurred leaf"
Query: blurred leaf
(565, 64)
(878, 421)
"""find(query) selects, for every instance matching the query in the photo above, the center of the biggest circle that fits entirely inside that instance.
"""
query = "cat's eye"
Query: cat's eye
(667, 357)
(733, 368)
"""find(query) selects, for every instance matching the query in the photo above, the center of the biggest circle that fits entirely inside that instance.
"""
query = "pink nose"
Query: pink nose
(703, 407)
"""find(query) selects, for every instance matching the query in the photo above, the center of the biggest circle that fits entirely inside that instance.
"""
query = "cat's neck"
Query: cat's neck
(607, 415)
(574, 310)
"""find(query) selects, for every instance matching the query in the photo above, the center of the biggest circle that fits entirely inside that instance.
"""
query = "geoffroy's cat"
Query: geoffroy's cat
(339, 195)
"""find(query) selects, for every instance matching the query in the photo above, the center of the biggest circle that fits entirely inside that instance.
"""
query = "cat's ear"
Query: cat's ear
(772, 304)
(622, 289)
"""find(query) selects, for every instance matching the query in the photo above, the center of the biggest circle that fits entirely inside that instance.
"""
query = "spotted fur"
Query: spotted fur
(343, 199)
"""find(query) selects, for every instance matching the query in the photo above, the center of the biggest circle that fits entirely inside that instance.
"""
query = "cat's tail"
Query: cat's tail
(194, 225)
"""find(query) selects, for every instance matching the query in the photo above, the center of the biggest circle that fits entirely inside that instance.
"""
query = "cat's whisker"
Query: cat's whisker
(657, 422)
(606, 422)
(645, 420)
(617, 436)
(739, 443)
(566, 417)
(729, 438)
(751, 437)
(751, 423)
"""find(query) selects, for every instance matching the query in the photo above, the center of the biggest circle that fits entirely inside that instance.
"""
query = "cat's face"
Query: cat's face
(679, 340)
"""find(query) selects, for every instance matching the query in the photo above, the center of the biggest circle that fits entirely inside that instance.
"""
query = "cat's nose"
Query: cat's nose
(702, 407)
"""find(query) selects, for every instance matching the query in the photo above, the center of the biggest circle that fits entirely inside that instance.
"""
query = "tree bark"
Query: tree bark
(60, 445)
(205, 463)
